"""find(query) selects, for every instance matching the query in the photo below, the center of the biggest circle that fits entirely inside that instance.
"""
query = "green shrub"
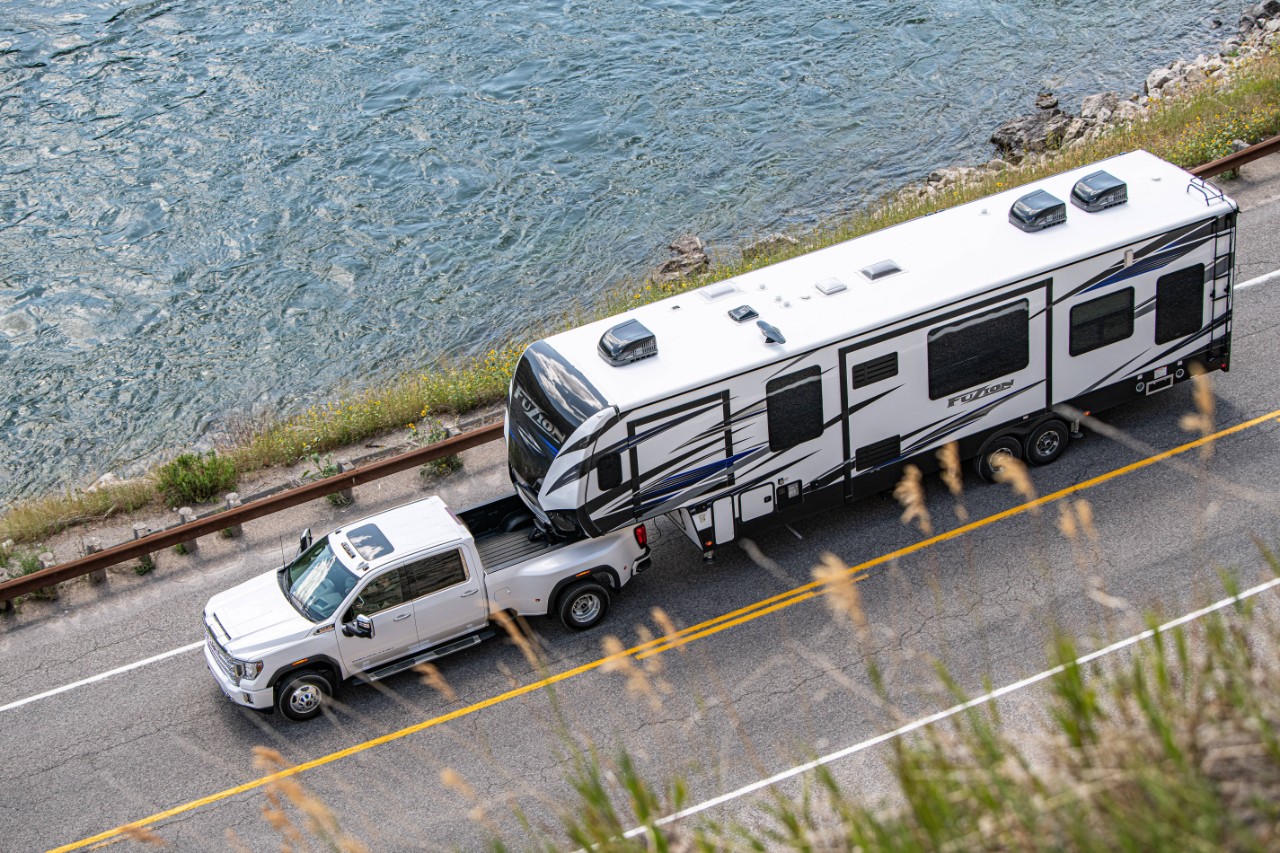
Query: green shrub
(196, 478)
(435, 433)
(29, 564)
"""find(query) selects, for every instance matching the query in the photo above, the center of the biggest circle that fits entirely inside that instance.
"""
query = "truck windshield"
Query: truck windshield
(316, 582)
(550, 398)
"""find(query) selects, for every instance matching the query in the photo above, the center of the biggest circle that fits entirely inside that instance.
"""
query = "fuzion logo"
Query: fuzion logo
(536, 415)
(970, 396)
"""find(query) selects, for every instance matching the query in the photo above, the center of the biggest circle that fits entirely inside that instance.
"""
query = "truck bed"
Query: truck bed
(501, 530)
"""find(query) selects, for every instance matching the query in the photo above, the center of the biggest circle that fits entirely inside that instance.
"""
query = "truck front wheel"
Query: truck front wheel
(303, 695)
(583, 605)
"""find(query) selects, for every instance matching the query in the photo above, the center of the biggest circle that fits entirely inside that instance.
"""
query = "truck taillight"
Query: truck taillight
(642, 536)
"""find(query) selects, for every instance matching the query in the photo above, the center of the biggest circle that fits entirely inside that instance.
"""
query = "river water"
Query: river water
(218, 207)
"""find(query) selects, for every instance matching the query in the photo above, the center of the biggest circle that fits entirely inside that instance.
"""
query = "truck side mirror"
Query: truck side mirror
(304, 541)
(362, 627)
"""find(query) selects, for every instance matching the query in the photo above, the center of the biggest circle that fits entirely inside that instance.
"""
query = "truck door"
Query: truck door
(448, 597)
(383, 599)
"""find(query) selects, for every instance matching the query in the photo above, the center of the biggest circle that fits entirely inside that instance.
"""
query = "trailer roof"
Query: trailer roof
(950, 255)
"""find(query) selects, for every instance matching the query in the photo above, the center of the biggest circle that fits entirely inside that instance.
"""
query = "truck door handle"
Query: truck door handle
(469, 592)
(402, 616)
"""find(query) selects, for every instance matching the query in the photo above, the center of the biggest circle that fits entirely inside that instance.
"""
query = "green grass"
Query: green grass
(195, 478)
(1190, 130)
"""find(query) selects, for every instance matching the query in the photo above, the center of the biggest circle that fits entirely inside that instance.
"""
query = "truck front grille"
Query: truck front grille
(220, 655)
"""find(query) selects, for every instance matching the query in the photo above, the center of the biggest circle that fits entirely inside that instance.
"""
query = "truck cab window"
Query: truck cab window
(434, 573)
(382, 593)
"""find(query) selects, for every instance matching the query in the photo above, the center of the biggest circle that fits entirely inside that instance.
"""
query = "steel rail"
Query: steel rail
(170, 536)
(1238, 159)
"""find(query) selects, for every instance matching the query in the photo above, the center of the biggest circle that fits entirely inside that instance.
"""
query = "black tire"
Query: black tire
(303, 695)
(583, 605)
(987, 463)
(1046, 442)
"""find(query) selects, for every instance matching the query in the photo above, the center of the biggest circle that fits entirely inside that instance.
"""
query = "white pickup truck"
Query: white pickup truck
(409, 585)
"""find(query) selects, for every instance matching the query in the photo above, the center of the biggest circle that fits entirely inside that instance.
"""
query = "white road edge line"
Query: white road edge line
(1262, 279)
(101, 676)
(952, 711)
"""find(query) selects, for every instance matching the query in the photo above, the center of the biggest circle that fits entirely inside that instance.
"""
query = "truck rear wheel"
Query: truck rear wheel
(583, 605)
(303, 695)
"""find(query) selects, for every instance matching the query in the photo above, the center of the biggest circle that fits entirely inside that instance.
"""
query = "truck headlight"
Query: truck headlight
(247, 670)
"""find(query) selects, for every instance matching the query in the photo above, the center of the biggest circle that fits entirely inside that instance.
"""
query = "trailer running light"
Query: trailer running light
(642, 536)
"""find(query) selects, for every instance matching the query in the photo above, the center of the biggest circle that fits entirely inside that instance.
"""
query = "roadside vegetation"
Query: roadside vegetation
(1189, 131)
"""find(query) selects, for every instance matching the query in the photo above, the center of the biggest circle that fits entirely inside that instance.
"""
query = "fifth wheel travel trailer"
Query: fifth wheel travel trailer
(811, 382)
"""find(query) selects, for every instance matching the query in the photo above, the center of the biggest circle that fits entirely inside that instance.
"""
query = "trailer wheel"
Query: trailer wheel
(1046, 442)
(993, 455)
(303, 695)
(583, 605)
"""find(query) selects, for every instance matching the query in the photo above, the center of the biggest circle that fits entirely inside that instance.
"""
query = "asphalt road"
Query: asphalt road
(775, 685)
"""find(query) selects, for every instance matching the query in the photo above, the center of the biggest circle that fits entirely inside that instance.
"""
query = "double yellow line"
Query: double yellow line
(670, 641)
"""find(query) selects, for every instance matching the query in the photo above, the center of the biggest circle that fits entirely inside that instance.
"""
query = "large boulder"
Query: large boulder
(1158, 79)
(1030, 133)
(690, 257)
(1099, 107)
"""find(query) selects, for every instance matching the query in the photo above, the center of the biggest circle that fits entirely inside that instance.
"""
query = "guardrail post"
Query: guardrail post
(347, 496)
(235, 531)
(186, 515)
(147, 561)
(93, 546)
(47, 561)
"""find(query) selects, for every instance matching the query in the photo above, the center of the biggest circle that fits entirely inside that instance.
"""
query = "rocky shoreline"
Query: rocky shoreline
(1035, 136)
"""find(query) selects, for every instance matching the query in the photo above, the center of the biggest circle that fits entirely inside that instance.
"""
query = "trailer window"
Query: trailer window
(609, 471)
(1102, 321)
(795, 408)
(1179, 304)
(979, 349)
(435, 573)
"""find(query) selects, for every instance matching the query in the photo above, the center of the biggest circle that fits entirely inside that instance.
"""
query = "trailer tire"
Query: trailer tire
(1000, 447)
(583, 605)
(1046, 442)
(303, 695)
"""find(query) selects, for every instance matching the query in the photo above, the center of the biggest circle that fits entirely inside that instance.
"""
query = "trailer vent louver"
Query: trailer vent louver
(1037, 211)
(879, 270)
(771, 333)
(830, 286)
(627, 342)
(1099, 191)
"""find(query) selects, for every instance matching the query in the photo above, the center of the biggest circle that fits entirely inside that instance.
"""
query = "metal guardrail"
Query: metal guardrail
(169, 537)
(1238, 159)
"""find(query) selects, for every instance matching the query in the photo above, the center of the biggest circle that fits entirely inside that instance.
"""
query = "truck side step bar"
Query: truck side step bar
(399, 666)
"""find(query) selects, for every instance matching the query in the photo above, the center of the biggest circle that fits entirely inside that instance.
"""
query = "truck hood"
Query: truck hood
(254, 616)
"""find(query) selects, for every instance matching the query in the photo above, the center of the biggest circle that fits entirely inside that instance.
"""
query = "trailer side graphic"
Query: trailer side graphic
(798, 386)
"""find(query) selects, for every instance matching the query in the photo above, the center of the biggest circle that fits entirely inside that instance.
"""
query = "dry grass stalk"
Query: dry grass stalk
(910, 494)
(638, 683)
(518, 636)
(451, 780)
(321, 822)
(1201, 421)
(949, 457)
(143, 835)
(1013, 473)
(668, 628)
(841, 591)
(1096, 592)
(432, 678)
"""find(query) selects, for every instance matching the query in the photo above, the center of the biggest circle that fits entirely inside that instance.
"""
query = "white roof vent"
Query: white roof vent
(829, 286)
(716, 292)
(881, 269)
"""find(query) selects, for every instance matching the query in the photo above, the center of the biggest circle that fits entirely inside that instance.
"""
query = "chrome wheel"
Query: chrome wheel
(305, 699)
(586, 608)
(1048, 443)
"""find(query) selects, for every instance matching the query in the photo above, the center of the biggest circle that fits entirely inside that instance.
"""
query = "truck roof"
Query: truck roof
(853, 287)
(409, 529)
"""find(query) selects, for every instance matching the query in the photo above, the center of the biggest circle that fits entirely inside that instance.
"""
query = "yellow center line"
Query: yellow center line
(658, 645)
